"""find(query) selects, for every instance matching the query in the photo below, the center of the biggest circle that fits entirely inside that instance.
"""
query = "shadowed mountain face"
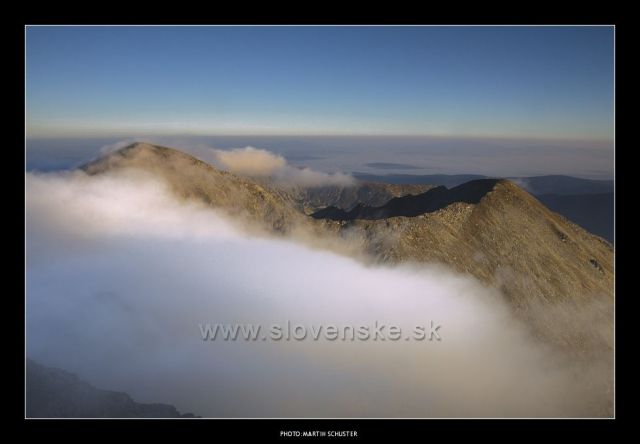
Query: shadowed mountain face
(410, 206)
(347, 197)
(56, 393)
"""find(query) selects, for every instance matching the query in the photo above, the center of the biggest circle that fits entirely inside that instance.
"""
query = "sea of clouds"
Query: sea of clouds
(120, 274)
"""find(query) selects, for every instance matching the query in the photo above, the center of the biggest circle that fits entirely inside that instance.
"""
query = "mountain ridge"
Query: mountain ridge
(192, 178)
(501, 235)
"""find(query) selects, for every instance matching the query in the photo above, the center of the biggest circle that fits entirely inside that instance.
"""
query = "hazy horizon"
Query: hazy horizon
(368, 154)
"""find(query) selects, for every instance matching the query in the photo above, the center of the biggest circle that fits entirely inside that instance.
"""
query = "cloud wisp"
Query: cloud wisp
(258, 162)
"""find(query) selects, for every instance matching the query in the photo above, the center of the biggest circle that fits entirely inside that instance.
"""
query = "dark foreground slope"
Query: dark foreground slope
(55, 393)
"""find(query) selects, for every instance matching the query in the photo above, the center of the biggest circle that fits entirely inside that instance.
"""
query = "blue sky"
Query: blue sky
(540, 82)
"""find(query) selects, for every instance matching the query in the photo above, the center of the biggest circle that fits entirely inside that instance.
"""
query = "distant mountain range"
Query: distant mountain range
(552, 184)
(405, 179)
(593, 212)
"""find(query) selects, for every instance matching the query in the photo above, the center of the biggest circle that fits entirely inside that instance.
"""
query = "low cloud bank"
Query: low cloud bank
(251, 161)
(120, 274)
